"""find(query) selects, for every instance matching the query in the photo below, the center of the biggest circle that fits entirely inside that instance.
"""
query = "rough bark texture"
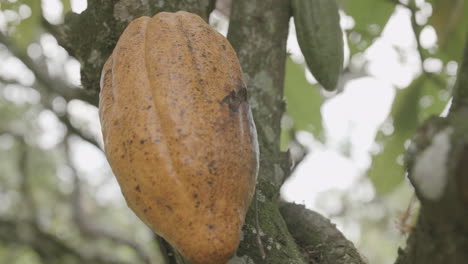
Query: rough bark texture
(258, 31)
(318, 238)
(441, 233)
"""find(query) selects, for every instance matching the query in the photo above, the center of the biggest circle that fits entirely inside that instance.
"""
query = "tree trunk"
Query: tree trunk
(441, 234)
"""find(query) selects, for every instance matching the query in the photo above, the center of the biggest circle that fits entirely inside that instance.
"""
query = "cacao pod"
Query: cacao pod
(320, 38)
(179, 134)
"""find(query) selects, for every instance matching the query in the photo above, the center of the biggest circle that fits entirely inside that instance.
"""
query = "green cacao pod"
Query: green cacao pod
(320, 39)
(179, 134)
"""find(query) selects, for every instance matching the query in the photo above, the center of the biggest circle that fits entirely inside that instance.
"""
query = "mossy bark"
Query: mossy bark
(258, 31)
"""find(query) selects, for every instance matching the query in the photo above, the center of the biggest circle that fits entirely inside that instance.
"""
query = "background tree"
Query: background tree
(55, 209)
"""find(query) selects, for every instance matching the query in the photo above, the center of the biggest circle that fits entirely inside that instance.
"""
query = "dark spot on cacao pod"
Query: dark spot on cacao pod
(137, 188)
(195, 195)
(211, 227)
(234, 99)
(168, 207)
(142, 141)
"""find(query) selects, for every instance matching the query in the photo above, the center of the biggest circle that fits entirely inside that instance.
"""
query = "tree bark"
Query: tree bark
(441, 233)
(258, 31)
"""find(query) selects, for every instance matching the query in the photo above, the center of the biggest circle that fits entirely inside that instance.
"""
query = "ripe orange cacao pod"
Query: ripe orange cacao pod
(178, 133)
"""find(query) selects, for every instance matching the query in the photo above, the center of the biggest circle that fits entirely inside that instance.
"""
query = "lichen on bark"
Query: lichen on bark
(258, 32)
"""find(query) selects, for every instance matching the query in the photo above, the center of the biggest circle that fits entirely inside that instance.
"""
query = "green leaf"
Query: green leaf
(387, 170)
(450, 22)
(370, 17)
(320, 37)
(303, 102)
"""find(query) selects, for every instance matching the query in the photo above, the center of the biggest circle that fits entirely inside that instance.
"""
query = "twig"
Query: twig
(417, 32)
(55, 85)
(66, 121)
(404, 217)
(45, 100)
(45, 85)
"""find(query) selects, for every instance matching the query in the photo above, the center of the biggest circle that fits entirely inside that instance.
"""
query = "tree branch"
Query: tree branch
(441, 233)
(91, 229)
(49, 248)
(42, 77)
(318, 238)
(460, 92)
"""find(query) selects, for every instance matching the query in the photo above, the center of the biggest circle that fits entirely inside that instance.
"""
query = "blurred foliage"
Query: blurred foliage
(303, 103)
(370, 18)
(411, 106)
